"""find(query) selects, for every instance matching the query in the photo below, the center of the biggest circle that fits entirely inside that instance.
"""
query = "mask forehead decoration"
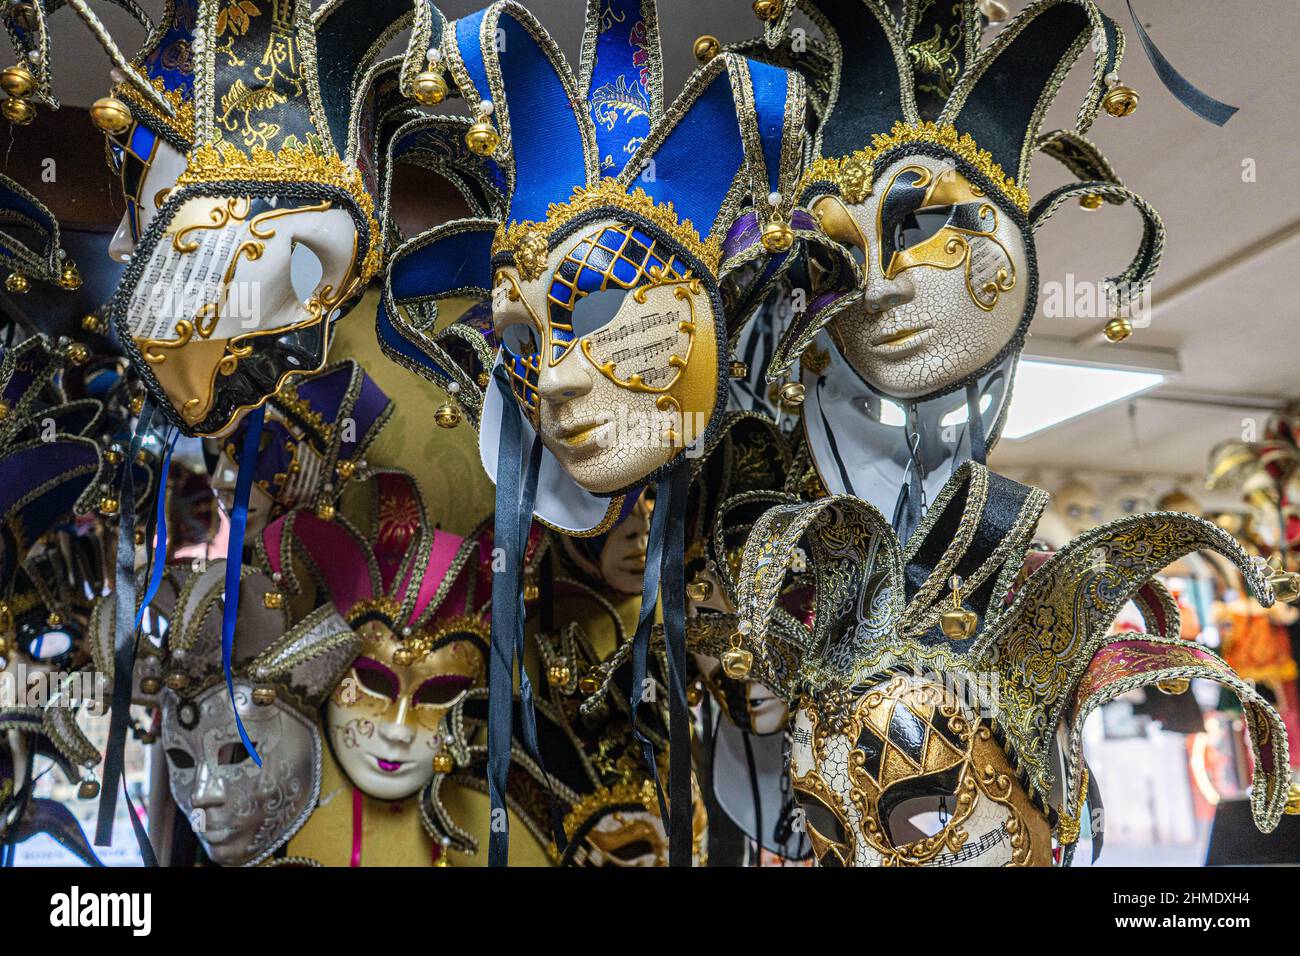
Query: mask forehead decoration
(922, 152)
(934, 676)
(242, 811)
(418, 599)
(274, 159)
(608, 349)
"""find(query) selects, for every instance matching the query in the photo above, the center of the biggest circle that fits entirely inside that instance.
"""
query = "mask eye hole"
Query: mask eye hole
(830, 839)
(922, 224)
(180, 759)
(593, 312)
(49, 645)
(442, 690)
(520, 338)
(233, 753)
(376, 679)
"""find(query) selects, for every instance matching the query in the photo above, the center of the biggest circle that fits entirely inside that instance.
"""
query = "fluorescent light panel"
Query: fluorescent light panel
(1048, 393)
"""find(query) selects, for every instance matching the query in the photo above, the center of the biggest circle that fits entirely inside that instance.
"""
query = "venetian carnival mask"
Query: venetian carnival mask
(417, 598)
(230, 196)
(240, 810)
(618, 558)
(940, 718)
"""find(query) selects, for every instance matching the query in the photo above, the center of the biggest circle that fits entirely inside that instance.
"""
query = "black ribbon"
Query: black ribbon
(975, 424)
(123, 646)
(1186, 92)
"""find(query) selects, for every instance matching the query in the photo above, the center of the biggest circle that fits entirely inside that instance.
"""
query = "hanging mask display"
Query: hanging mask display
(241, 812)
(922, 147)
(418, 601)
(608, 252)
(936, 674)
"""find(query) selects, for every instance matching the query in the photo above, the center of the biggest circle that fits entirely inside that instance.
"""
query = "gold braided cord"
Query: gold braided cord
(224, 162)
(852, 173)
(595, 803)
(607, 193)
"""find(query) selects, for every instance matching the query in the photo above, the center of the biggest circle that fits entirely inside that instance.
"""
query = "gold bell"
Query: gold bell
(694, 694)
(739, 369)
(4, 411)
(1118, 329)
(531, 591)
(736, 661)
(17, 283)
(1091, 201)
(1285, 584)
(91, 323)
(150, 685)
(447, 416)
(791, 396)
(559, 674)
(273, 600)
(264, 696)
(957, 623)
(699, 589)
(429, 88)
(403, 657)
(590, 682)
(4, 646)
(1173, 686)
(139, 537)
(17, 81)
(346, 469)
(1293, 800)
(70, 277)
(108, 505)
(777, 236)
(1120, 100)
(137, 404)
(442, 762)
(482, 138)
(176, 680)
(78, 354)
(706, 48)
(111, 115)
(88, 789)
(18, 112)
(325, 511)
(54, 619)
(767, 10)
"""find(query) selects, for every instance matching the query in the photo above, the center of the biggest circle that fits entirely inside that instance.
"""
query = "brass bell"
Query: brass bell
(88, 789)
(273, 600)
(18, 112)
(736, 661)
(70, 277)
(1091, 201)
(1173, 686)
(699, 589)
(111, 115)
(403, 657)
(1293, 800)
(137, 404)
(176, 680)
(1285, 584)
(4, 411)
(739, 369)
(559, 674)
(482, 138)
(531, 591)
(1120, 100)
(995, 11)
(442, 762)
(54, 619)
(694, 694)
(791, 396)
(325, 511)
(150, 685)
(429, 88)
(108, 505)
(447, 416)
(139, 537)
(1118, 328)
(264, 696)
(346, 469)
(78, 354)
(17, 283)
(706, 48)
(590, 682)
(17, 81)
(767, 10)
(777, 236)
(957, 623)
(4, 646)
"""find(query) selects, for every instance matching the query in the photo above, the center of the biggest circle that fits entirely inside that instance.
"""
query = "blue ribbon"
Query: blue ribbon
(160, 528)
(235, 563)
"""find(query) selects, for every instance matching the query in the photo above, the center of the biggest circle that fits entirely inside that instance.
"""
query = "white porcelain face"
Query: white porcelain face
(240, 812)
(748, 704)
(220, 277)
(1079, 507)
(385, 717)
(621, 562)
(903, 773)
(945, 277)
(613, 353)
(259, 502)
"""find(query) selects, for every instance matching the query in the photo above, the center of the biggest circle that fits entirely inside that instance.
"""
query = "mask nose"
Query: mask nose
(209, 791)
(397, 731)
(563, 382)
(883, 294)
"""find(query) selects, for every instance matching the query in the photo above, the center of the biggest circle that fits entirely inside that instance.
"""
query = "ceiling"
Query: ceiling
(1225, 299)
